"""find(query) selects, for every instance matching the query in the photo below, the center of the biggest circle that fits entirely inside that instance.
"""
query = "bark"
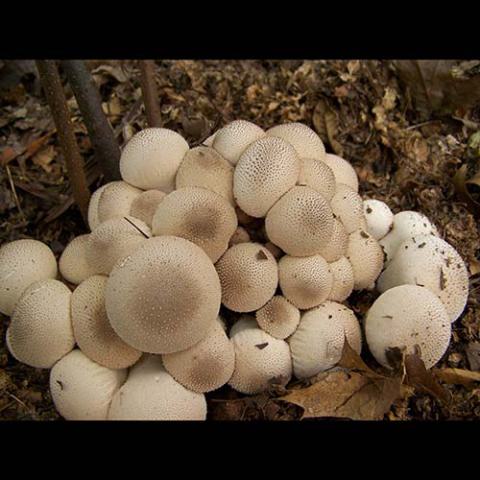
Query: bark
(150, 93)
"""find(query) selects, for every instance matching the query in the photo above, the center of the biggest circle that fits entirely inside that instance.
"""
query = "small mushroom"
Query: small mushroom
(343, 171)
(93, 221)
(337, 246)
(74, 264)
(347, 206)
(116, 201)
(343, 280)
(243, 323)
(379, 218)
(317, 175)
(278, 317)
(240, 235)
(145, 205)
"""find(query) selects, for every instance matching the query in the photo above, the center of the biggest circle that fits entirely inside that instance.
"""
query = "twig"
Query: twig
(418, 125)
(18, 400)
(8, 405)
(149, 92)
(137, 228)
(14, 191)
(52, 87)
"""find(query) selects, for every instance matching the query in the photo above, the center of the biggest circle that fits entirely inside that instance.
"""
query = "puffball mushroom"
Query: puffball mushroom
(92, 217)
(40, 332)
(379, 218)
(343, 171)
(301, 222)
(23, 262)
(82, 389)
(92, 330)
(337, 246)
(278, 317)
(74, 262)
(164, 297)
(347, 205)
(145, 205)
(405, 317)
(317, 344)
(343, 280)
(266, 170)
(248, 275)
(151, 393)
(207, 365)
(201, 216)
(317, 175)
(432, 263)
(260, 359)
(305, 281)
(232, 140)
(240, 235)
(151, 158)
(116, 200)
(243, 323)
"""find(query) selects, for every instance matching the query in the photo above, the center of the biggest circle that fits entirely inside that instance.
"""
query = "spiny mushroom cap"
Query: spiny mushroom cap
(301, 222)
(278, 317)
(432, 263)
(337, 246)
(317, 175)
(260, 359)
(343, 171)
(406, 316)
(232, 140)
(92, 330)
(378, 216)
(151, 158)
(305, 141)
(40, 332)
(114, 239)
(240, 235)
(267, 169)
(347, 205)
(92, 217)
(248, 275)
(116, 200)
(164, 297)
(82, 389)
(207, 365)
(151, 393)
(343, 280)
(243, 323)
(198, 215)
(317, 344)
(406, 224)
(305, 281)
(73, 264)
(145, 205)
(204, 167)
(23, 262)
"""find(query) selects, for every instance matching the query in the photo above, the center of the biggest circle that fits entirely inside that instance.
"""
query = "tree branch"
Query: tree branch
(149, 92)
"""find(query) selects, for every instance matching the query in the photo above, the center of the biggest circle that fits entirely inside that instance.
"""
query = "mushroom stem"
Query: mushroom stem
(107, 151)
(53, 89)
(149, 92)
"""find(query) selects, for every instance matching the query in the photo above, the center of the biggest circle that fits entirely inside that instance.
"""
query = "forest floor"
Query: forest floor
(360, 109)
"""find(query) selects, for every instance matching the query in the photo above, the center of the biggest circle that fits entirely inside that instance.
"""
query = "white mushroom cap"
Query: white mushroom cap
(278, 317)
(164, 297)
(301, 222)
(205, 167)
(343, 280)
(343, 170)
(198, 215)
(379, 218)
(82, 389)
(248, 275)
(243, 323)
(151, 158)
(366, 257)
(406, 316)
(73, 264)
(240, 235)
(317, 344)
(151, 393)
(145, 205)
(305, 141)
(305, 281)
(40, 332)
(406, 224)
(207, 365)
(114, 239)
(347, 205)
(337, 246)
(93, 221)
(208, 142)
(317, 175)
(116, 200)
(23, 262)
(92, 330)
(432, 263)
(232, 140)
(267, 169)
(259, 360)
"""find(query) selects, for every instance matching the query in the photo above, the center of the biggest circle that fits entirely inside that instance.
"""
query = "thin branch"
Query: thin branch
(150, 93)
(52, 87)
(107, 151)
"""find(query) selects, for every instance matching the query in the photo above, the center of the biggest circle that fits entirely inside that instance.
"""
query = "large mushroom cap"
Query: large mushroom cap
(432, 263)
(92, 330)
(93, 221)
(343, 280)
(267, 169)
(150, 393)
(74, 262)
(23, 262)
(82, 389)
(145, 205)
(201, 216)
(260, 359)
(116, 200)
(343, 171)
(207, 365)
(405, 317)
(301, 222)
(249, 277)
(337, 246)
(347, 205)
(164, 297)
(151, 158)
(40, 332)
(379, 218)
(278, 317)
(317, 175)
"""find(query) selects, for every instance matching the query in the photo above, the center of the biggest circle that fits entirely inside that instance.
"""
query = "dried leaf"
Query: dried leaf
(326, 124)
(473, 355)
(44, 157)
(459, 182)
(115, 72)
(457, 376)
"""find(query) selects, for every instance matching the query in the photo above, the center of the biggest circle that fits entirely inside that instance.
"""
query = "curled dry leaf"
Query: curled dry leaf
(325, 122)
(457, 376)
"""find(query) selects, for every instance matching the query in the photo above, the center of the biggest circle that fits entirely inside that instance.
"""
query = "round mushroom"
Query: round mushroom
(145, 205)
(92, 217)
(278, 317)
(343, 280)
(337, 246)
(343, 171)
(116, 200)
(317, 175)
(347, 205)
(74, 263)
(243, 323)
(379, 218)
(240, 235)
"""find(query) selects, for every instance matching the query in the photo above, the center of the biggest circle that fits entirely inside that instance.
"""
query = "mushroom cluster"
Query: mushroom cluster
(228, 263)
